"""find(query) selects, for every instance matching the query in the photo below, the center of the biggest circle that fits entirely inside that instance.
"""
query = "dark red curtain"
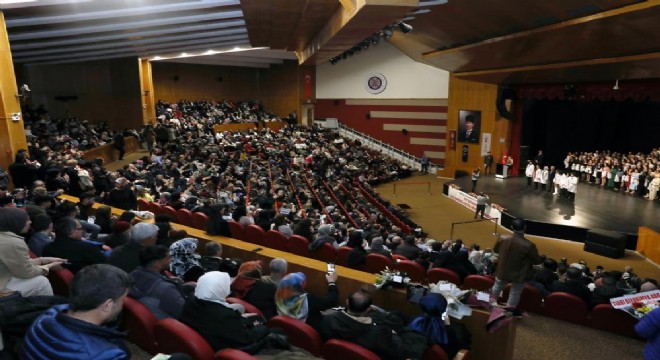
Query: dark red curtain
(516, 136)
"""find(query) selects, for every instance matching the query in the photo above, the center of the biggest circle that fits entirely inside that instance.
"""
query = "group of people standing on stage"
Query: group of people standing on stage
(557, 182)
(633, 174)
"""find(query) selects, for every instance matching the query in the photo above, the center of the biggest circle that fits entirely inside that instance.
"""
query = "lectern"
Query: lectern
(502, 171)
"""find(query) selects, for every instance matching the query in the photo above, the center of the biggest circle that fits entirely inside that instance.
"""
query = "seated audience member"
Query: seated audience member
(648, 285)
(649, 329)
(408, 248)
(120, 234)
(451, 338)
(354, 325)
(42, 227)
(547, 274)
(377, 247)
(83, 214)
(606, 290)
(304, 229)
(219, 322)
(280, 224)
(325, 235)
(213, 260)
(127, 256)
(77, 330)
(17, 271)
(104, 219)
(573, 285)
(163, 296)
(217, 224)
(423, 259)
(292, 300)
(262, 292)
(69, 245)
(122, 196)
(185, 262)
(248, 274)
(163, 221)
(358, 255)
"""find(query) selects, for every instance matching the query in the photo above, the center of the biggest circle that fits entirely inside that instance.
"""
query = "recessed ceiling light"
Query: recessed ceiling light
(7, 2)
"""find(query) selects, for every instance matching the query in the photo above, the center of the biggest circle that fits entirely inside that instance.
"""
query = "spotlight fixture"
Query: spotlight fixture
(334, 60)
(344, 56)
(387, 33)
(375, 39)
(405, 28)
(616, 85)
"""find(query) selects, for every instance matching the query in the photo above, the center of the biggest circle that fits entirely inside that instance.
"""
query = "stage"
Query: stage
(551, 216)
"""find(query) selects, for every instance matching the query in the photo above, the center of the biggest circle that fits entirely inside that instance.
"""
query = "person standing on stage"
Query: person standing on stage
(538, 174)
(571, 186)
(529, 172)
(482, 200)
(488, 163)
(551, 179)
(545, 174)
(475, 176)
(424, 160)
(556, 182)
(563, 185)
(538, 160)
(517, 256)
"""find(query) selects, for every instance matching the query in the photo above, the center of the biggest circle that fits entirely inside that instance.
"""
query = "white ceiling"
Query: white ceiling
(66, 31)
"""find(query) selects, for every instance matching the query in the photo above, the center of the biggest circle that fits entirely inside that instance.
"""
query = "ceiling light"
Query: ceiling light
(616, 85)
(156, 58)
(420, 11)
(7, 2)
(432, 2)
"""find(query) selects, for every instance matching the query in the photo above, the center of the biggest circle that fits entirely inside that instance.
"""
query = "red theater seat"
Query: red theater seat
(478, 282)
(530, 300)
(199, 221)
(335, 349)
(299, 333)
(237, 230)
(325, 252)
(376, 263)
(605, 317)
(567, 307)
(436, 274)
(255, 234)
(299, 245)
(168, 210)
(342, 255)
(415, 271)
(173, 336)
(233, 354)
(435, 352)
(249, 308)
(185, 217)
(276, 240)
(143, 205)
(140, 323)
(61, 280)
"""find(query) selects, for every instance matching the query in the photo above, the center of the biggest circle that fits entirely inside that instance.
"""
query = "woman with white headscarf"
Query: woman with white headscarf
(217, 321)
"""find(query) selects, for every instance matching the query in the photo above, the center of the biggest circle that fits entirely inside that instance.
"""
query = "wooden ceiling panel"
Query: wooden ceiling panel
(632, 30)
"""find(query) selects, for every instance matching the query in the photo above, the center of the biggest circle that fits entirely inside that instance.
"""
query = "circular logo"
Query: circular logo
(376, 83)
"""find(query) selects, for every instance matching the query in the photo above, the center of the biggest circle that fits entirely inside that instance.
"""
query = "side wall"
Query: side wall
(100, 90)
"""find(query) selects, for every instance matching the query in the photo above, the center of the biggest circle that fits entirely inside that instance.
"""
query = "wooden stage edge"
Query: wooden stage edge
(485, 345)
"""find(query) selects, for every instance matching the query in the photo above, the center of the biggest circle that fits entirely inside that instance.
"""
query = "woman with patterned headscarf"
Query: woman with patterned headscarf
(431, 323)
(17, 271)
(185, 262)
(291, 299)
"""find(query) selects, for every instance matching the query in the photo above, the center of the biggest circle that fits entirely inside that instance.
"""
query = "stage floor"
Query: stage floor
(594, 207)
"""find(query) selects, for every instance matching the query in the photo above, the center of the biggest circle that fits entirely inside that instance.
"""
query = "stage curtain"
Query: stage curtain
(636, 90)
(648, 244)
(516, 137)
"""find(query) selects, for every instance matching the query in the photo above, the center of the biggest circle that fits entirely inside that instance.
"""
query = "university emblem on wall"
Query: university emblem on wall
(376, 83)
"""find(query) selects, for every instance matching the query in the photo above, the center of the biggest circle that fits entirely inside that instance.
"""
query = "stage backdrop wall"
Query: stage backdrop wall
(406, 78)
(559, 126)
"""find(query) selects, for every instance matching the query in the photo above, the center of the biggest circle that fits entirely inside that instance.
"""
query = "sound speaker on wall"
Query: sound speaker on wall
(505, 97)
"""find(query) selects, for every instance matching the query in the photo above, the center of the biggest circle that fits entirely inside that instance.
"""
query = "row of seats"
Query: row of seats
(182, 216)
(171, 336)
(405, 228)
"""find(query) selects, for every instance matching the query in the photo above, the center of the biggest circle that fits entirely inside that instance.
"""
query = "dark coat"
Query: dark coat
(262, 295)
(517, 256)
(221, 326)
(377, 338)
(78, 252)
(126, 257)
(409, 251)
(164, 297)
(124, 199)
(574, 287)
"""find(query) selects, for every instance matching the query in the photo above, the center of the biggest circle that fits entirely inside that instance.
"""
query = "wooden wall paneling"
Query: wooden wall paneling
(279, 88)
(468, 95)
(12, 133)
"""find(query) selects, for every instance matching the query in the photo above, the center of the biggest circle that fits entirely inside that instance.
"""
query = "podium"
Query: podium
(502, 171)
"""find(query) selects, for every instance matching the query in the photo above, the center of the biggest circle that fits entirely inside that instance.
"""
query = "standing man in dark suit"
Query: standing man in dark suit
(517, 256)
(118, 143)
(488, 163)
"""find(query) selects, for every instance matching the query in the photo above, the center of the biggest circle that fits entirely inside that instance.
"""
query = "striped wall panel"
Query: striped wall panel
(425, 122)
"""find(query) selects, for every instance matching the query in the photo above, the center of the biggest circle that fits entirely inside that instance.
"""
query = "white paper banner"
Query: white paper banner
(627, 301)
(485, 143)
(471, 203)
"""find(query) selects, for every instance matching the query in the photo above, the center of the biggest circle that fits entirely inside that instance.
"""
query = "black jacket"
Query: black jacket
(575, 287)
(78, 252)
